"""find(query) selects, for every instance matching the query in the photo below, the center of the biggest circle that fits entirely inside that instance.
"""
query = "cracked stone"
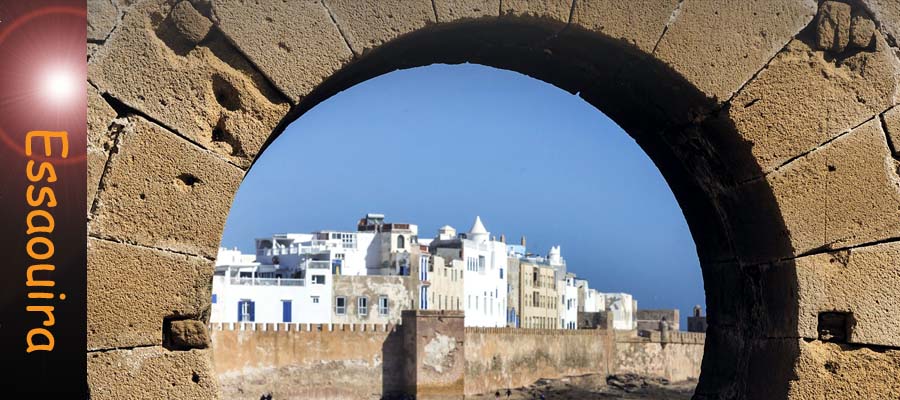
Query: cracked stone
(892, 124)
(102, 16)
(803, 99)
(720, 45)
(842, 194)
(833, 26)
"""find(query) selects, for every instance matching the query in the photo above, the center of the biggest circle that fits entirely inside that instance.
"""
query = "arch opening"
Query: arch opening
(738, 231)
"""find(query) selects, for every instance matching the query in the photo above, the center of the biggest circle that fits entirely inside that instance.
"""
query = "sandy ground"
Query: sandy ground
(596, 387)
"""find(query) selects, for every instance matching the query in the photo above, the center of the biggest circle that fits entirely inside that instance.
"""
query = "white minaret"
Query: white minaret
(555, 256)
(478, 234)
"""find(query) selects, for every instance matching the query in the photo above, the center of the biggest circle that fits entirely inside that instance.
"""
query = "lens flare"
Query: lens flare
(58, 85)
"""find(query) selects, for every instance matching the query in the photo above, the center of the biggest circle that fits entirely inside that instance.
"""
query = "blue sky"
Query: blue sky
(441, 144)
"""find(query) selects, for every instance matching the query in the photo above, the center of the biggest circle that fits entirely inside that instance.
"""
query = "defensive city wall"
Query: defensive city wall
(345, 361)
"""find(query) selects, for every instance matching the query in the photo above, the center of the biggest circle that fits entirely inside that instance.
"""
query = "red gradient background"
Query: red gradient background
(43, 46)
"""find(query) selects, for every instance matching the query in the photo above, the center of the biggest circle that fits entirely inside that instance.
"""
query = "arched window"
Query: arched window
(400, 242)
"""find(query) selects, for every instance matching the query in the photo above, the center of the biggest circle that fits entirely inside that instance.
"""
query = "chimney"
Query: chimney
(523, 240)
(502, 238)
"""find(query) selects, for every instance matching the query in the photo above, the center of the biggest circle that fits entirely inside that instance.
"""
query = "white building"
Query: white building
(485, 290)
(622, 306)
(247, 291)
(569, 310)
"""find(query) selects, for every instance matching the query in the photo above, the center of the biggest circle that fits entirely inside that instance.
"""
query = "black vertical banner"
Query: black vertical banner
(43, 104)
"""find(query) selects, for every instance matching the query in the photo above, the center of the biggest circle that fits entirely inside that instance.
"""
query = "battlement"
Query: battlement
(530, 331)
(301, 328)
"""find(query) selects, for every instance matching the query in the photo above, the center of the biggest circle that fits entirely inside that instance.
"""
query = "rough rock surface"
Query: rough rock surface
(208, 93)
(151, 373)
(296, 44)
(833, 26)
(133, 289)
(188, 334)
(162, 191)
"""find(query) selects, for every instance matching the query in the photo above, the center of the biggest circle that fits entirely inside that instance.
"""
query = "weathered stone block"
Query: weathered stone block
(720, 45)
(188, 334)
(551, 11)
(151, 373)
(640, 23)
(842, 194)
(803, 99)
(209, 93)
(371, 23)
(102, 16)
(192, 25)
(162, 191)
(836, 371)
(862, 32)
(833, 26)
(841, 282)
(100, 140)
(296, 44)
(453, 10)
(132, 289)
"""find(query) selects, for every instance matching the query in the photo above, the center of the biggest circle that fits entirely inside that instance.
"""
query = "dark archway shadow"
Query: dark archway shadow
(752, 303)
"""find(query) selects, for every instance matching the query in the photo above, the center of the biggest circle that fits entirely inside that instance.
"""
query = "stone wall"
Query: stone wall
(508, 358)
(347, 361)
(305, 361)
(676, 359)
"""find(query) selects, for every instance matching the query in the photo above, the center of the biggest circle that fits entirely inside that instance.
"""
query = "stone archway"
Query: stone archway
(772, 122)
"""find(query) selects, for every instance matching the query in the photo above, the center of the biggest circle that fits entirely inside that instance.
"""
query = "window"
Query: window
(481, 262)
(318, 279)
(339, 256)
(362, 306)
(383, 305)
(246, 311)
(340, 305)
(315, 299)
(214, 298)
(401, 243)
(501, 273)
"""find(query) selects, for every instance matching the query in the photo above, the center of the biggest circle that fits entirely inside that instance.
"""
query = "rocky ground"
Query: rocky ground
(599, 387)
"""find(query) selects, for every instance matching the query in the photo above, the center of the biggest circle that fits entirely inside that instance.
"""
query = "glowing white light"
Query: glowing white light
(58, 85)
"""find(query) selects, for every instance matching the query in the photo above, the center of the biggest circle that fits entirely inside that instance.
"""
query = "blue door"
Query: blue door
(285, 311)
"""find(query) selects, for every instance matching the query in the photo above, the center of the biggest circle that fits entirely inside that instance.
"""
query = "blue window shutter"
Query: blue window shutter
(286, 311)
(214, 298)
(252, 311)
(240, 307)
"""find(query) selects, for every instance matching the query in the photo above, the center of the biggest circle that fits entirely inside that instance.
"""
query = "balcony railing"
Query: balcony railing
(268, 281)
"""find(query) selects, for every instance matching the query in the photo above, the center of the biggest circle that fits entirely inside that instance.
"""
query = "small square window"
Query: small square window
(318, 279)
(315, 299)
